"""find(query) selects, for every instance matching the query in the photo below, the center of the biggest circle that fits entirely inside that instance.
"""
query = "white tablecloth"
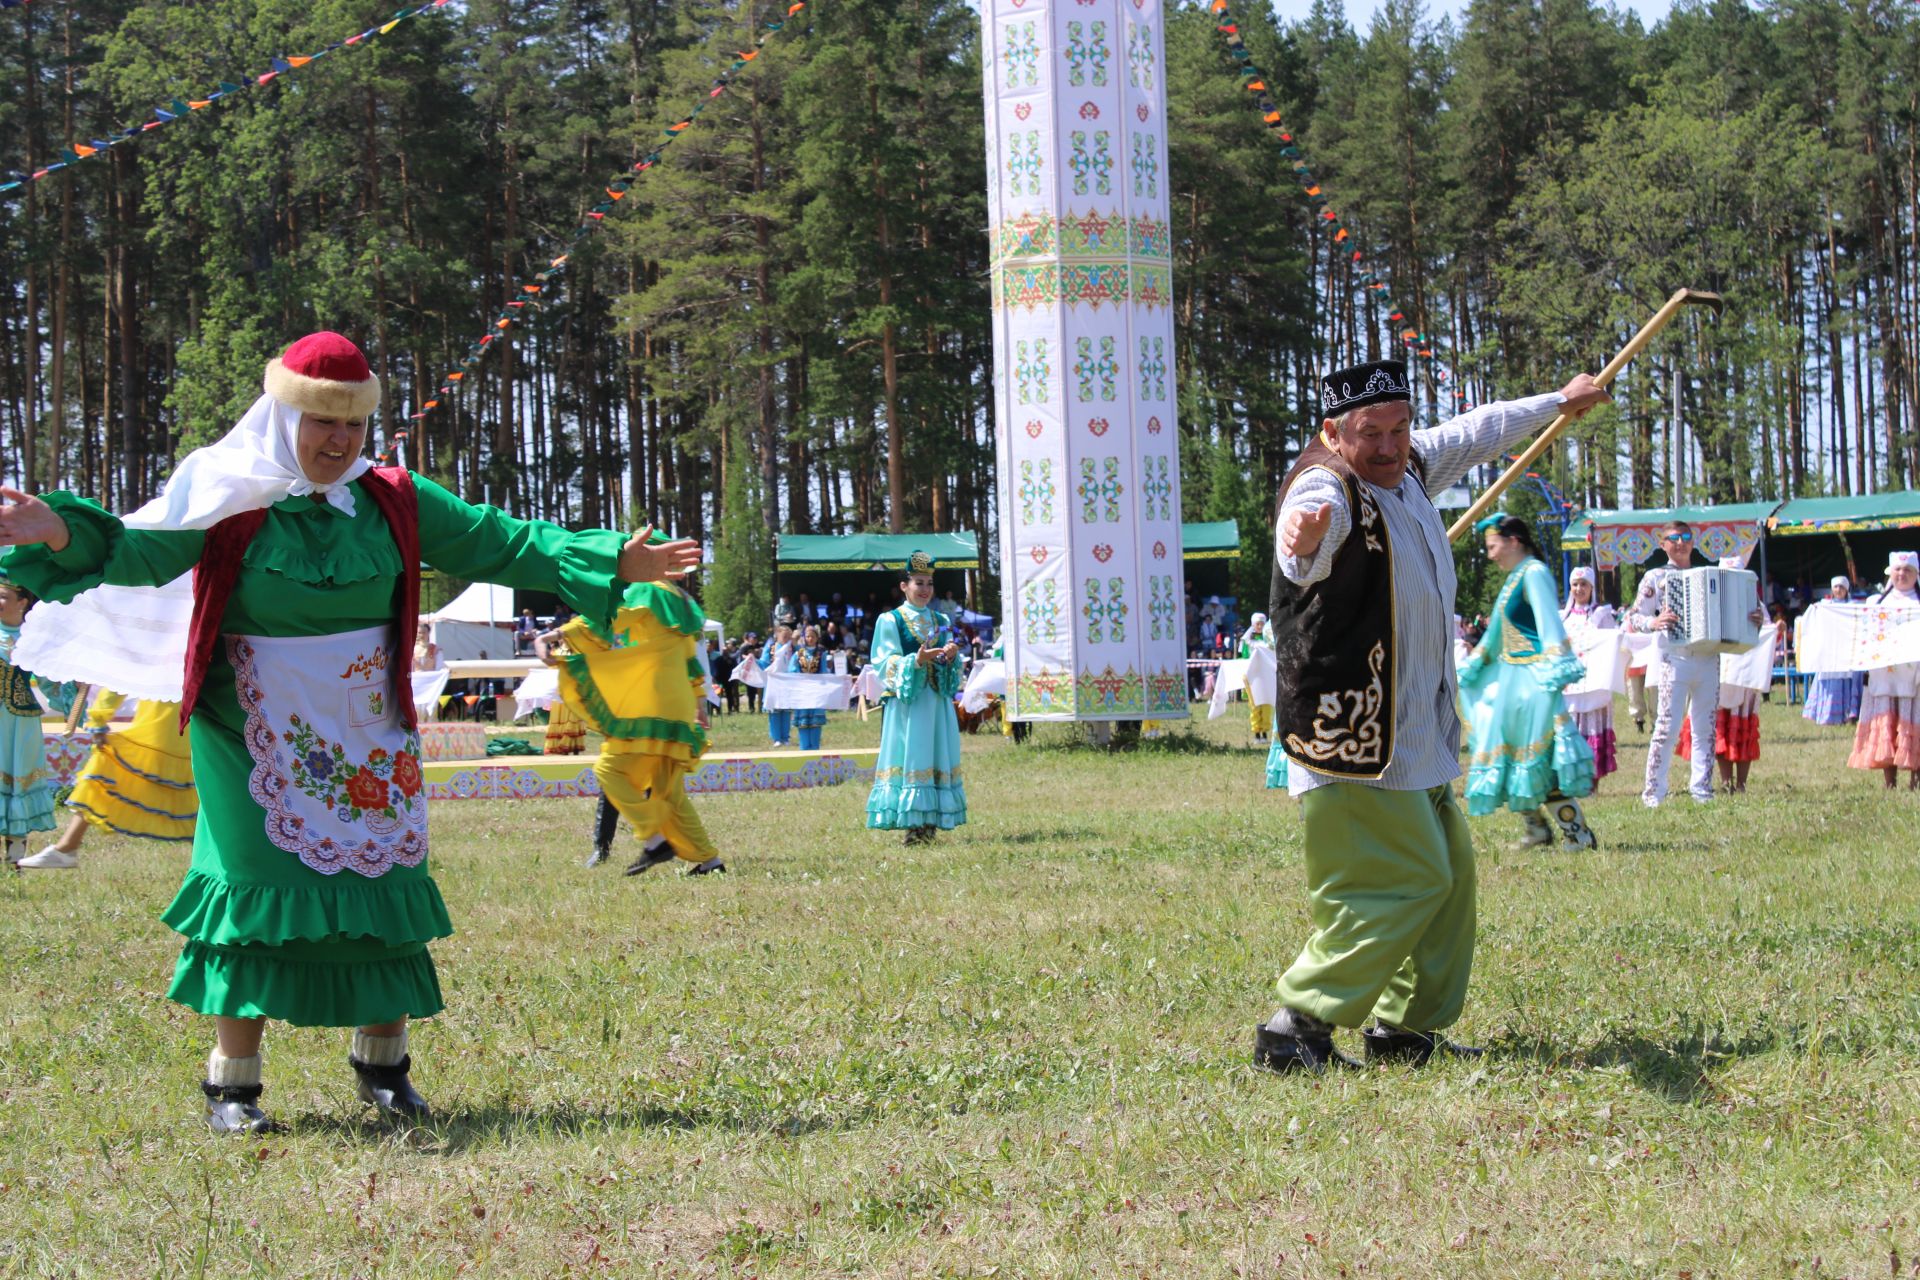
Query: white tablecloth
(1837, 638)
(1603, 652)
(987, 681)
(799, 691)
(427, 688)
(1258, 675)
(538, 692)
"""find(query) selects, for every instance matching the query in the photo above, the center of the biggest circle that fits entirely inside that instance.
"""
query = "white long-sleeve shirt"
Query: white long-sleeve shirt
(1426, 724)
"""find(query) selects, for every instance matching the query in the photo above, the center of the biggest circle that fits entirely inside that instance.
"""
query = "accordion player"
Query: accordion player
(1714, 608)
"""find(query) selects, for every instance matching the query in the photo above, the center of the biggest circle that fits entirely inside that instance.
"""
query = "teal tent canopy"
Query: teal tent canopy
(1867, 512)
(806, 552)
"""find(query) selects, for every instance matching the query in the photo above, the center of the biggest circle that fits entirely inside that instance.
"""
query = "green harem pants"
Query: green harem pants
(1390, 877)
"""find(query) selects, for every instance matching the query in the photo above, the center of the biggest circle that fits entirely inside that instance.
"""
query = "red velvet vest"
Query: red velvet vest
(391, 489)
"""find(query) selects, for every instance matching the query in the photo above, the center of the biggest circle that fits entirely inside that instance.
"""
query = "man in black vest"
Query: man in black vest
(1363, 590)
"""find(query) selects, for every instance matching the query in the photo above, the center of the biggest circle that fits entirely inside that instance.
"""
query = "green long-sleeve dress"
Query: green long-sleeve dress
(266, 933)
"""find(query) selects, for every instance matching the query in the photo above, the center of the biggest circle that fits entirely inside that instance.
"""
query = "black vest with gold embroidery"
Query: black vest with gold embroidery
(1333, 641)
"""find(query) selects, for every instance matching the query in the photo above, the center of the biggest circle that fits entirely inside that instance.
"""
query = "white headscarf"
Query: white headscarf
(133, 640)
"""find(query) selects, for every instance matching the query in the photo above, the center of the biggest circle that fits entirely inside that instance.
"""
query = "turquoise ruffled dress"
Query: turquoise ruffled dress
(26, 790)
(1524, 744)
(917, 783)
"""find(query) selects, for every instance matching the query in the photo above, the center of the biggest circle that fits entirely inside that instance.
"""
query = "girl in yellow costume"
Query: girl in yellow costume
(641, 684)
(138, 782)
(566, 731)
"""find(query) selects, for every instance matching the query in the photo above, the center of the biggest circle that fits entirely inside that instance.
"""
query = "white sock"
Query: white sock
(653, 842)
(232, 1072)
(379, 1051)
(1292, 1022)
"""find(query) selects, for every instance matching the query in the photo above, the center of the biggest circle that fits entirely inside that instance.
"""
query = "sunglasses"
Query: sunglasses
(1676, 537)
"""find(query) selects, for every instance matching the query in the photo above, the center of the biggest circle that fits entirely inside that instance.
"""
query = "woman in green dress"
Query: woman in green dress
(309, 898)
(1525, 748)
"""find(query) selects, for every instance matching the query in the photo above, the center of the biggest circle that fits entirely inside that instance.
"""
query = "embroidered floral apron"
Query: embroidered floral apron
(334, 764)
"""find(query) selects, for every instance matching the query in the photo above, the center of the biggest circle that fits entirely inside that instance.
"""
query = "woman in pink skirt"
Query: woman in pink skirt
(1888, 738)
(1592, 712)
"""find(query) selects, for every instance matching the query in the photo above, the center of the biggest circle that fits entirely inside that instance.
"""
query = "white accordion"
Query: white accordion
(1715, 608)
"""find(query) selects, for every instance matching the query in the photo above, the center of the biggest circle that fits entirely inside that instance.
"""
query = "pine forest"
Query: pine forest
(783, 324)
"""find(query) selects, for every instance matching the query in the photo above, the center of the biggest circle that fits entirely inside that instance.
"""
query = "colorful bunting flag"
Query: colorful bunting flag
(616, 188)
(181, 107)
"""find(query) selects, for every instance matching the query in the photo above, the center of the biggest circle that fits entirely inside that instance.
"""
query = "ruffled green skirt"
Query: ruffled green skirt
(268, 936)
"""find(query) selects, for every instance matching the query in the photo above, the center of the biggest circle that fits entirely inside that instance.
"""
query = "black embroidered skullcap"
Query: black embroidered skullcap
(1376, 382)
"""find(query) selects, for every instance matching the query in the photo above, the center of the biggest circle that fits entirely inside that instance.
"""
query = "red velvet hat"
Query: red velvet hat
(324, 374)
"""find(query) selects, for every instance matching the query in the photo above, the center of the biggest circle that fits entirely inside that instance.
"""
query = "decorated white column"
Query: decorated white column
(1089, 463)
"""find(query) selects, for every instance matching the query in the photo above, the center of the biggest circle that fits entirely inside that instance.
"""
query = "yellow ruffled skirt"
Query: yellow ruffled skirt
(139, 782)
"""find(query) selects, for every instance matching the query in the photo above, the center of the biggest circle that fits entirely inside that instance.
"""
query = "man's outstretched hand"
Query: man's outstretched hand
(640, 562)
(1304, 527)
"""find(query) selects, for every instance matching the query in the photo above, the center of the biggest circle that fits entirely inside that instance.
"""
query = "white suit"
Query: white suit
(1685, 680)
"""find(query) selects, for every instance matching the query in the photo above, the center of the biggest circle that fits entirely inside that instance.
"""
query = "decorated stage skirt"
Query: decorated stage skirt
(1524, 746)
(139, 780)
(1889, 733)
(309, 898)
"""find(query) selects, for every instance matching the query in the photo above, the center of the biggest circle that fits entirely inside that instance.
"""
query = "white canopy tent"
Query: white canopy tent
(477, 623)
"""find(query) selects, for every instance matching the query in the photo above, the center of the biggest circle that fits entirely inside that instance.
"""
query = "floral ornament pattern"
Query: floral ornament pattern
(1031, 372)
(1153, 369)
(1021, 55)
(1167, 691)
(1146, 166)
(1112, 691)
(1139, 55)
(1087, 55)
(1036, 491)
(1106, 616)
(1023, 163)
(1156, 489)
(1040, 613)
(377, 799)
(1093, 165)
(1096, 375)
(1160, 612)
(1100, 489)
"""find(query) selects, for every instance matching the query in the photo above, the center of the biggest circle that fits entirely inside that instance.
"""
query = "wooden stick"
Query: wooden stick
(1680, 298)
(79, 707)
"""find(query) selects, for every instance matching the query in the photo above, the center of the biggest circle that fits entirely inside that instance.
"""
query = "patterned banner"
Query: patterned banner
(530, 294)
(179, 109)
(1618, 544)
(1419, 344)
(1084, 387)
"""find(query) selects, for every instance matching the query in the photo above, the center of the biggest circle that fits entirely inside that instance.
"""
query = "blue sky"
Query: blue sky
(1360, 12)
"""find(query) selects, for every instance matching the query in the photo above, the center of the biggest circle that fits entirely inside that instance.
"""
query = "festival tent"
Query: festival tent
(1209, 549)
(1811, 539)
(858, 565)
(477, 623)
(1631, 537)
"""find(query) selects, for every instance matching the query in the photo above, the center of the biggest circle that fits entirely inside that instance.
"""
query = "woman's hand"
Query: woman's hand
(25, 521)
(642, 563)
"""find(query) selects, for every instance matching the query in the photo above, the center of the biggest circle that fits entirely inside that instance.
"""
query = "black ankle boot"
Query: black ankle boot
(1311, 1052)
(1395, 1044)
(235, 1108)
(389, 1089)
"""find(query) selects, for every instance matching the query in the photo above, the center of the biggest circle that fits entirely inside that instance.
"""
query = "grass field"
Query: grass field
(1022, 1051)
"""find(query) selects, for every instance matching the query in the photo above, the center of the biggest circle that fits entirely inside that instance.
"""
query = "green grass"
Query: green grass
(1021, 1051)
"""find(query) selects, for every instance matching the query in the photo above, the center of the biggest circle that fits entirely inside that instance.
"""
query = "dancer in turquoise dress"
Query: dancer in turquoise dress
(1525, 747)
(917, 787)
(26, 792)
